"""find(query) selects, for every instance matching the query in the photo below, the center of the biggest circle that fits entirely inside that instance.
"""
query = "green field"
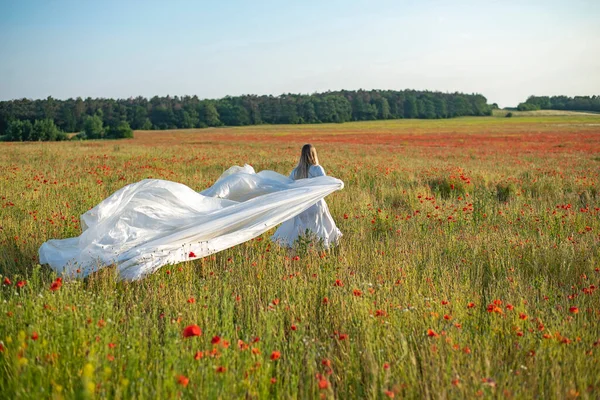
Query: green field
(469, 267)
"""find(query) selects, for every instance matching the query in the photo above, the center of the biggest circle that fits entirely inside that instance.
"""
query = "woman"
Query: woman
(315, 223)
(148, 224)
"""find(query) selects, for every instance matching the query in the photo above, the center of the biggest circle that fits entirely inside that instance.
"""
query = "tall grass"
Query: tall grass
(458, 276)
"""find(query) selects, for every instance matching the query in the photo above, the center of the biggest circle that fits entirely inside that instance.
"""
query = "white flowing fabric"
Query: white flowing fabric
(316, 221)
(152, 223)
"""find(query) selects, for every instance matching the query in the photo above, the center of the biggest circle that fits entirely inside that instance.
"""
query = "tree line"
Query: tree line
(100, 118)
(577, 103)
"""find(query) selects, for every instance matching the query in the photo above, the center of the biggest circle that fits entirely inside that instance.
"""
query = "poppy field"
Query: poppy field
(469, 268)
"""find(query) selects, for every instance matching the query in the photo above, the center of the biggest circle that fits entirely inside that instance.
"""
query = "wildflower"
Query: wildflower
(431, 333)
(447, 317)
(20, 284)
(293, 327)
(356, 292)
(215, 340)
(326, 363)
(198, 355)
(7, 281)
(510, 307)
(183, 380)
(522, 316)
(323, 384)
(386, 366)
(389, 394)
(573, 310)
(275, 355)
(34, 336)
(343, 336)
(471, 305)
(56, 284)
(445, 302)
(338, 283)
(191, 300)
(221, 369)
(192, 330)
(273, 381)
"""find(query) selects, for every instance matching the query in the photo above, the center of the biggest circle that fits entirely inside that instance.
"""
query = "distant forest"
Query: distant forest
(577, 103)
(109, 118)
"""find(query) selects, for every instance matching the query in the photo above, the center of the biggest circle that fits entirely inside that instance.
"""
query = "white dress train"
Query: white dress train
(315, 222)
(152, 223)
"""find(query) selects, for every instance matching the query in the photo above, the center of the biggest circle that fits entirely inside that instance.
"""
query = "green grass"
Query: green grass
(416, 252)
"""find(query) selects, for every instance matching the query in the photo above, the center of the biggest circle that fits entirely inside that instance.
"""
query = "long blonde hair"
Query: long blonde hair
(308, 157)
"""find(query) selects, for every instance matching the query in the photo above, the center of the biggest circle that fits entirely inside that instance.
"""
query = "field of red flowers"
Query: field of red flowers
(469, 267)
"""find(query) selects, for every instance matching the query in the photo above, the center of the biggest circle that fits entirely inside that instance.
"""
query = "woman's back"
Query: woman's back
(313, 172)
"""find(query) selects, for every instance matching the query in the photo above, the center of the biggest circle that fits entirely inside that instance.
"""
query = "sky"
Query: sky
(506, 50)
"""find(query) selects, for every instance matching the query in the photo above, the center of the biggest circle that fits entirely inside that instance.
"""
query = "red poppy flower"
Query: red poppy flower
(183, 381)
(34, 336)
(356, 292)
(573, 310)
(522, 316)
(275, 355)
(56, 284)
(192, 330)
(338, 283)
(7, 281)
(326, 363)
(293, 327)
(471, 305)
(389, 394)
(20, 284)
(215, 340)
(431, 333)
(323, 384)
(221, 369)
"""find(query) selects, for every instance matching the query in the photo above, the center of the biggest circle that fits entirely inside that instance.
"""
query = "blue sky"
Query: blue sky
(505, 50)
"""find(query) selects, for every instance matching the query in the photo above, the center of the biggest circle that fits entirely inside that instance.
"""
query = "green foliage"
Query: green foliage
(505, 191)
(121, 131)
(447, 187)
(93, 127)
(41, 130)
(577, 103)
(73, 115)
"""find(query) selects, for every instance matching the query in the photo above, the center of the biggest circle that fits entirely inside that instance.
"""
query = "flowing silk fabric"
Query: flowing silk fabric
(315, 222)
(152, 223)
